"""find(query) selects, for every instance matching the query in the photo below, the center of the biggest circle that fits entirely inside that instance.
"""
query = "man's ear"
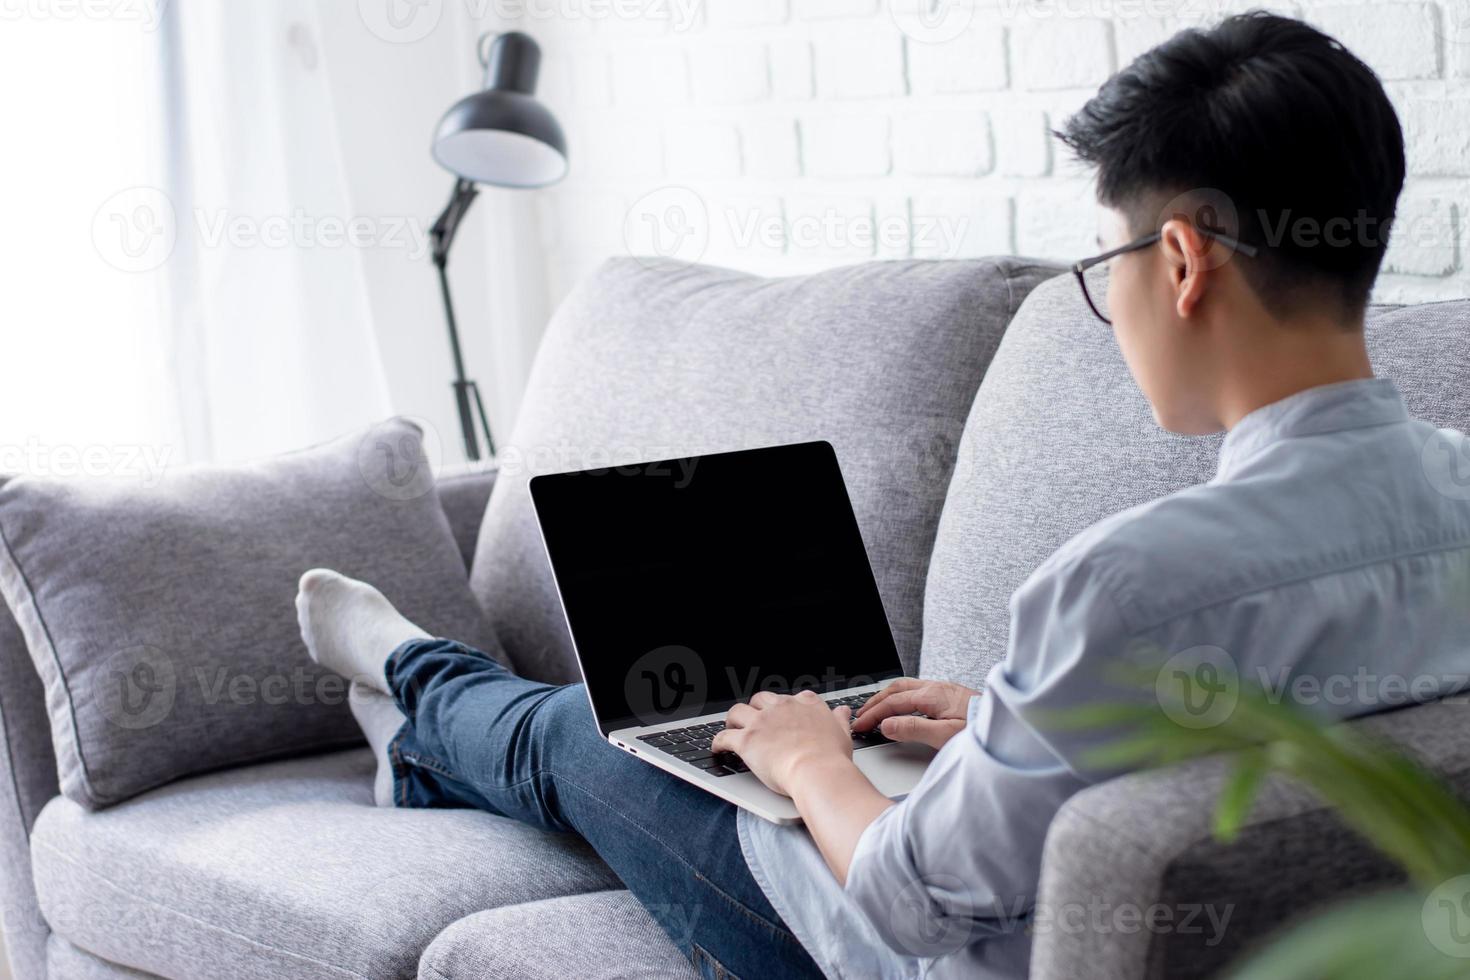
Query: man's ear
(1187, 257)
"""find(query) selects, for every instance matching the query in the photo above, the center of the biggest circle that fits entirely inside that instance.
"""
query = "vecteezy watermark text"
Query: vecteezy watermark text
(676, 222)
(302, 229)
(148, 14)
(1201, 687)
(136, 229)
(136, 461)
(924, 933)
(408, 21)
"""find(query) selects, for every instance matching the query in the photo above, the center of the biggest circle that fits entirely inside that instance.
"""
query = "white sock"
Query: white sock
(378, 716)
(350, 628)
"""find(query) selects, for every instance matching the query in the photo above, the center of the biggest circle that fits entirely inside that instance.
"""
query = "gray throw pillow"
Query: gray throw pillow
(162, 619)
(654, 360)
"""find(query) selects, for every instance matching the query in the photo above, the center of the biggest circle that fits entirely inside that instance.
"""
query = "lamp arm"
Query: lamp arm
(446, 226)
(441, 235)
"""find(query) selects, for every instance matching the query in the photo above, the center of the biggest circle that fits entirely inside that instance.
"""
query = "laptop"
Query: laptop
(690, 584)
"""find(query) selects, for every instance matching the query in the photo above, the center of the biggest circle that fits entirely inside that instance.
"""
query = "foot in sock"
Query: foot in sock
(350, 627)
(380, 719)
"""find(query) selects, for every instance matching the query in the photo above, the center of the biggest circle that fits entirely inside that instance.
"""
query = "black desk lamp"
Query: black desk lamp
(500, 136)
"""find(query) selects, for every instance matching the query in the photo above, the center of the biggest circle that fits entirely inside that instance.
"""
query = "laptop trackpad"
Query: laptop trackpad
(894, 769)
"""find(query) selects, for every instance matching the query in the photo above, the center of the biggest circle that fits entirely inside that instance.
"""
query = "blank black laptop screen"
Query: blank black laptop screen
(691, 584)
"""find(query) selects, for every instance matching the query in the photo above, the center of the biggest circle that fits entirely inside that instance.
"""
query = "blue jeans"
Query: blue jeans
(479, 736)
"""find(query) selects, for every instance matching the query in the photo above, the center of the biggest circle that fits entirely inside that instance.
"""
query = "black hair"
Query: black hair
(1270, 118)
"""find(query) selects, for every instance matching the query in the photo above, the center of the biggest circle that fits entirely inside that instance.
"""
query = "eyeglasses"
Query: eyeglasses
(1080, 269)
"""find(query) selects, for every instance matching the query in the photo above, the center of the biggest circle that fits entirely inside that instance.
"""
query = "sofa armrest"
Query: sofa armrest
(27, 783)
(463, 493)
(1135, 886)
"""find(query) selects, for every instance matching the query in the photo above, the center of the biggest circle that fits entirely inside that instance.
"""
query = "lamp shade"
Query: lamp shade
(502, 135)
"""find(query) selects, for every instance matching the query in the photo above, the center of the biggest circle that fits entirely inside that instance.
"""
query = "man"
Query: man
(1228, 162)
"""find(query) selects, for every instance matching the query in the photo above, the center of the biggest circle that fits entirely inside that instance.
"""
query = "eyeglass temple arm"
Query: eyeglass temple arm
(1249, 251)
(1132, 246)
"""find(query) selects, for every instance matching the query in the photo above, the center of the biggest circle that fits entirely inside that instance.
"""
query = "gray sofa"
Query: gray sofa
(982, 417)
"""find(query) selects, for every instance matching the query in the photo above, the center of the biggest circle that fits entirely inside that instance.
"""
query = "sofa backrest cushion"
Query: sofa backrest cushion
(652, 360)
(1060, 437)
(463, 493)
(162, 620)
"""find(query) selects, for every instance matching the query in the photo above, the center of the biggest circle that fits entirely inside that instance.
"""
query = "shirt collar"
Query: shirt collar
(1316, 411)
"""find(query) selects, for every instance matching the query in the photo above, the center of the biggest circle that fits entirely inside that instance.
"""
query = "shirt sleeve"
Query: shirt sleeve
(959, 859)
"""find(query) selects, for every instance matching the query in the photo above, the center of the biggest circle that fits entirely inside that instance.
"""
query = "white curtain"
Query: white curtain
(218, 245)
(311, 307)
(83, 390)
(274, 333)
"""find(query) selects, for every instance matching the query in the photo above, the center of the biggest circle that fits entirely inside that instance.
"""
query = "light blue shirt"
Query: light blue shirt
(1328, 561)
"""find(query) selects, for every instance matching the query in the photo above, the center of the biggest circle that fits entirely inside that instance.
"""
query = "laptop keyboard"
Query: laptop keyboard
(692, 744)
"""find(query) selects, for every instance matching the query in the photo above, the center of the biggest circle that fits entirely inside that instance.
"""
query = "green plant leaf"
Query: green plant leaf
(1369, 938)
(1239, 793)
(1390, 799)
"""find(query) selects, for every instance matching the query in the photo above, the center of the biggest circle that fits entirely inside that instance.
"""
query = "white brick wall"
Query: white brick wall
(790, 135)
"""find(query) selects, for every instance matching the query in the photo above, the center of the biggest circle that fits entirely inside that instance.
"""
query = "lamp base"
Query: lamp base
(464, 391)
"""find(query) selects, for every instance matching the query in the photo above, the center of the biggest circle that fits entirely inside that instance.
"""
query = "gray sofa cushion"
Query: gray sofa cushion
(1060, 437)
(647, 361)
(286, 870)
(1147, 839)
(1425, 349)
(601, 936)
(162, 620)
(463, 493)
(65, 962)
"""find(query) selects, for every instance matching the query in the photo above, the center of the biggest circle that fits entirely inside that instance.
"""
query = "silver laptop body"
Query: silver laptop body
(690, 584)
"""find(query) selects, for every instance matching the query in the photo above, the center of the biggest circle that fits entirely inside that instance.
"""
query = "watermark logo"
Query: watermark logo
(1446, 917)
(1445, 460)
(932, 21)
(397, 463)
(664, 681)
(1198, 687)
(135, 688)
(678, 920)
(135, 230)
(302, 229)
(408, 21)
(533, 459)
(1116, 10)
(678, 16)
(1100, 917)
(668, 223)
(302, 685)
(149, 927)
(148, 14)
(927, 456)
(128, 461)
(675, 222)
(915, 920)
(401, 21)
(1210, 210)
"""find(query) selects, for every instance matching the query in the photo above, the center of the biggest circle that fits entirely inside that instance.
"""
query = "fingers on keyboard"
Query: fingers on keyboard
(692, 743)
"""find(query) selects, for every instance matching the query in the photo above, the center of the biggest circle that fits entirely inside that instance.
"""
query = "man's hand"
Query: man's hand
(777, 734)
(945, 708)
